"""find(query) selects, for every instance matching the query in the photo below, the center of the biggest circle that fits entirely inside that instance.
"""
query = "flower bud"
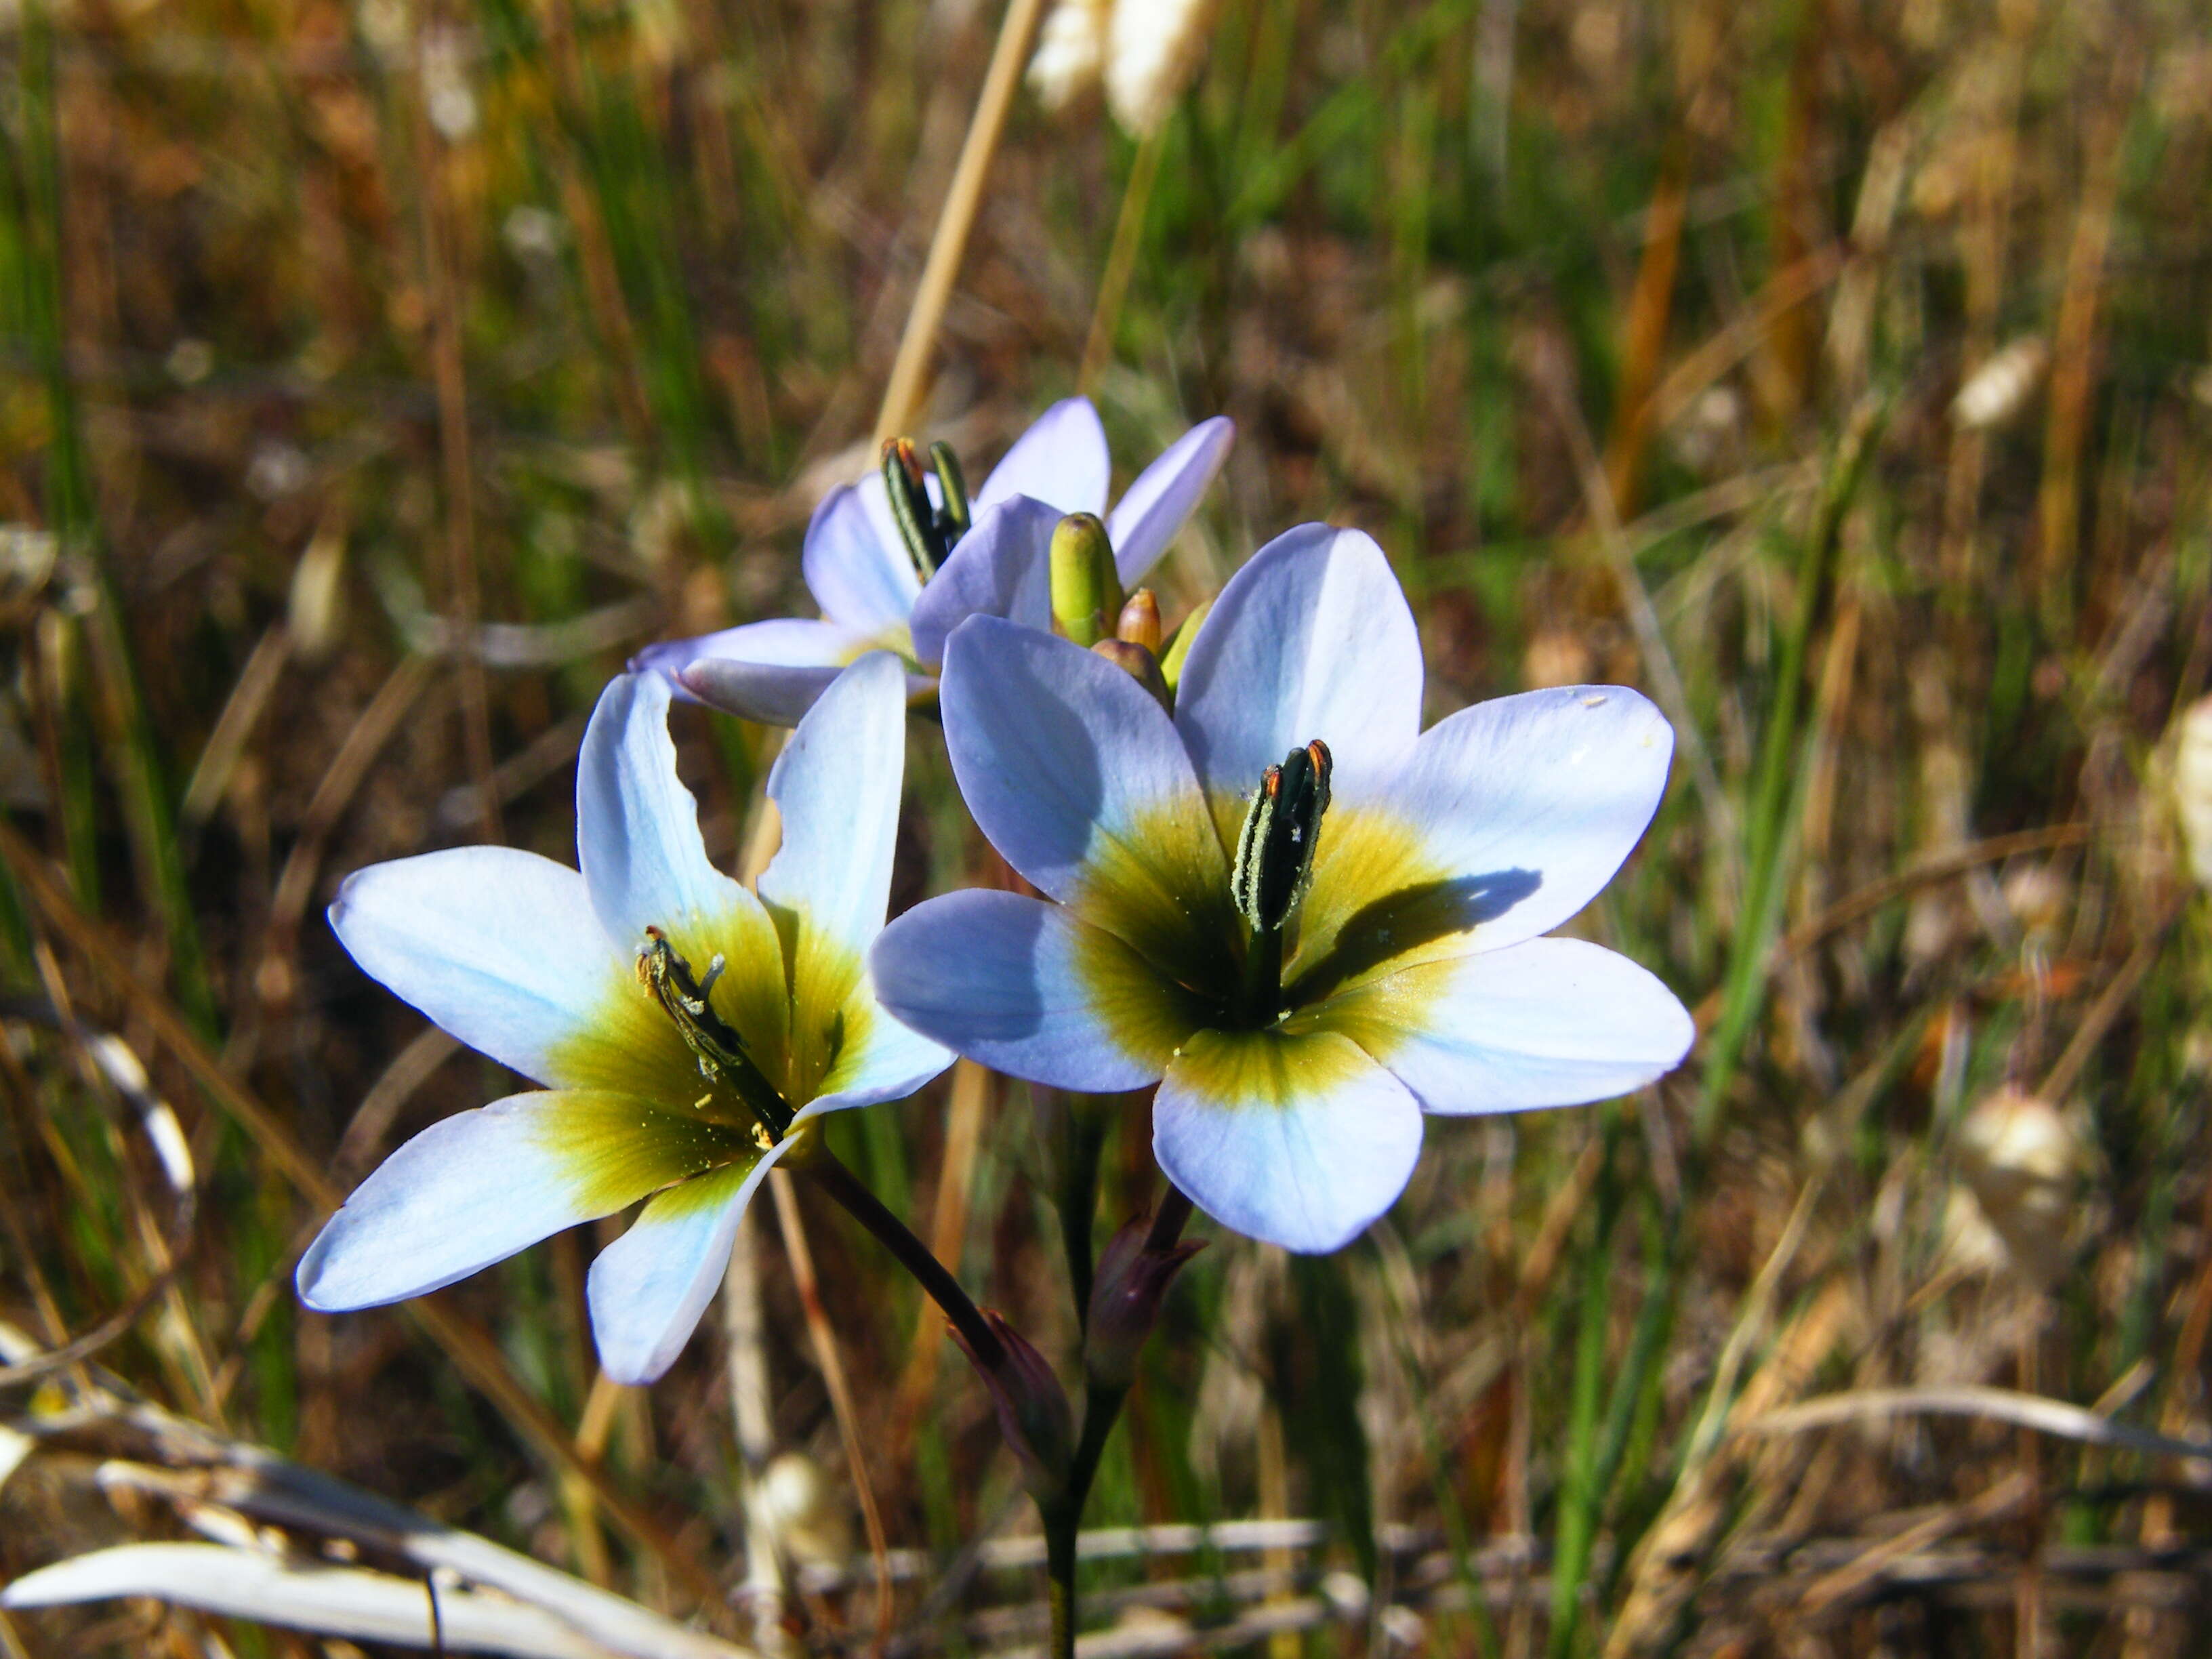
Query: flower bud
(1142, 666)
(804, 1511)
(1178, 651)
(1999, 389)
(313, 609)
(2192, 786)
(1153, 47)
(1071, 52)
(1034, 1415)
(1140, 622)
(2020, 1157)
(1131, 1283)
(1085, 590)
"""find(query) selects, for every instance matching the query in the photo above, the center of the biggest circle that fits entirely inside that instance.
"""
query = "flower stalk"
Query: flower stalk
(822, 1167)
(1102, 1407)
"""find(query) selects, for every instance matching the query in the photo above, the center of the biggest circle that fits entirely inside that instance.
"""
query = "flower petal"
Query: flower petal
(782, 641)
(855, 565)
(1164, 495)
(1553, 1022)
(771, 694)
(837, 788)
(479, 1186)
(1060, 756)
(1061, 461)
(1012, 981)
(1300, 1140)
(885, 1060)
(1002, 568)
(499, 947)
(637, 826)
(1311, 639)
(1546, 791)
(648, 1288)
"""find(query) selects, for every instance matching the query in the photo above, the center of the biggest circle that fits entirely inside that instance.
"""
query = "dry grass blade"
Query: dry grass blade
(902, 392)
(372, 1120)
(1666, 687)
(1854, 1578)
(476, 1355)
(2115, 1000)
(114, 1061)
(1944, 867)
(2028, 1411)
(823, 1336)
(199, 1469)
(948, 1232)
(242, 712)
(331, 1600)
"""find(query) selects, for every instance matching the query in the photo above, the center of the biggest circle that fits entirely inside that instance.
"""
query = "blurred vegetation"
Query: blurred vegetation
(386, 372)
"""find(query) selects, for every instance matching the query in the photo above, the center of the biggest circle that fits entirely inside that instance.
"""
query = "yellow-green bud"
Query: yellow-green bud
(1085, 591)
(1179, 647)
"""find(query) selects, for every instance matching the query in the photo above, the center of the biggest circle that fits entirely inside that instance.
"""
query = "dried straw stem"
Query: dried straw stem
(949, 240)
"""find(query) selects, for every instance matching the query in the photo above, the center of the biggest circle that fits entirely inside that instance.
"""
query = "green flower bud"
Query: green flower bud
(1087, 592)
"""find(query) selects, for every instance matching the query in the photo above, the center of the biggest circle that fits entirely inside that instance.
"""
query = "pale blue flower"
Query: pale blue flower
(1397, 966)
(873, 597)
(547, 970)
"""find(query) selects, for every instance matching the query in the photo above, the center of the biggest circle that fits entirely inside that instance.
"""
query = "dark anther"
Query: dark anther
(953, 483)
(929, 529)
(1275, 850)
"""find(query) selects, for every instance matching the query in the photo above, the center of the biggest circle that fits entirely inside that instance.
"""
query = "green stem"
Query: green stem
(1172, 1217)
(1083, 1140)
(1059, 1534)
(1063, 1520)
(842, 1185)
(1577, 1527)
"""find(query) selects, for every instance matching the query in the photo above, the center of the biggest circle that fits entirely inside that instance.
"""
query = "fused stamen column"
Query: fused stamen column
(929, 529)
(713, 1040)
(1274, 864)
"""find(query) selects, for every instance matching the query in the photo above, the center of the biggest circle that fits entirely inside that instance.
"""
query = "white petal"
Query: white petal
(1062, 460)
(499, 947)
(637, 826)
(1540, 795)
(1555, 1022)
(836, 786)
(995, 976)
(1298, 1140)
(855, 565)
(648, 1288)
(476, 1187)
(1164, 495)
(1057, 750)
(1002, 568)
(1311, 639)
